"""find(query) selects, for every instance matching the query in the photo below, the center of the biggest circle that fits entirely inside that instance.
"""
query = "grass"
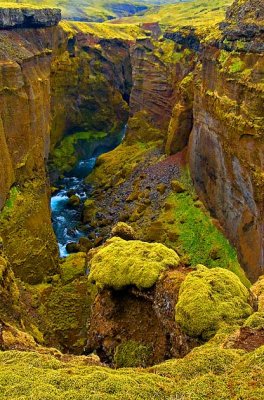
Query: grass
(104, 30)
(200, 239)
(201, 14)
(89, 10)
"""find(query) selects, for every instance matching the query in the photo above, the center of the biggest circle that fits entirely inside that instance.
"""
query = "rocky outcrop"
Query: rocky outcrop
(28, 17)
(244, 21)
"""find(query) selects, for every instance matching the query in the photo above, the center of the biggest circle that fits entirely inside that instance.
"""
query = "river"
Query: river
(65, 218)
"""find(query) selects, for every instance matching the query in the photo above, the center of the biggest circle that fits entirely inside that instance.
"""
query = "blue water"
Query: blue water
(66, 219)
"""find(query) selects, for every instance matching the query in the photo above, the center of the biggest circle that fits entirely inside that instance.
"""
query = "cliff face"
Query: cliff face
(91, 83)
(162, 80)
(25, 134)
(226, 146)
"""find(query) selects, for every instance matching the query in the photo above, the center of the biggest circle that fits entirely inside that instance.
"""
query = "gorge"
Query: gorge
(138, 146)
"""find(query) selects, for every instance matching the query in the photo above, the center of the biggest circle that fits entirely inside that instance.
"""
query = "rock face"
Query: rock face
(226, 146)
(28, 17)
(25, 135)
(91, 83)
(162, 92)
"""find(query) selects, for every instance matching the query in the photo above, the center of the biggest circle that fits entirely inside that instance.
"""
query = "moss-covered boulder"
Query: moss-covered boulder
(258, 290)
(208, 298)
(255, 321)
(123, 263)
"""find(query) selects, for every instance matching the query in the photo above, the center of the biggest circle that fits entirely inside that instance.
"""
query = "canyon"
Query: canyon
(183, 189)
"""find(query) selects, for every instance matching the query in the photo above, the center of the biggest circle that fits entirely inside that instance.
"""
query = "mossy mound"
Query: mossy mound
(209, 298)
(123, 263)
(255, 321)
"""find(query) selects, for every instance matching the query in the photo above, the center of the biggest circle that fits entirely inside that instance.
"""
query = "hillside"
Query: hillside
(95, 10)
(197, 13)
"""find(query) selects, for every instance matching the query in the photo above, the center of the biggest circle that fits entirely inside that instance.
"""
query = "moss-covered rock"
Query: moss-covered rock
(73, 266)
(209, 298)
(123, 263)
(124, 231)
(131, 354)
(258, 290)
(255, 321)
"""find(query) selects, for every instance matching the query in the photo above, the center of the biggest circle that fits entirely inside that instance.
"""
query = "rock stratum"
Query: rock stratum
(28, 17)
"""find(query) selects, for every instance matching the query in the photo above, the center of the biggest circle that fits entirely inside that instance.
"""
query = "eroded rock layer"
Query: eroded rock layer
(226, 146)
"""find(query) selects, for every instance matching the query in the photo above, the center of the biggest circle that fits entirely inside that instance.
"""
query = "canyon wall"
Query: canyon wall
(25, 226)
(227, 143)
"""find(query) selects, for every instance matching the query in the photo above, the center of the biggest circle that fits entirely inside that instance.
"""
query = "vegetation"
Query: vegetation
(104, 30)
(208, 372)
(131, 354)
(123, 263)
(203, 15)
(209, 297)
(92, 10)
(66, 155)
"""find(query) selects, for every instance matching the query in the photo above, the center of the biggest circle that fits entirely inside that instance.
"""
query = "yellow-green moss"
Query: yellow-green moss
(258, 290)
(255, 321)
(65, 156)
(123, 263)
(208, 298)
(131, 354)
(208, 372)
(73, 266)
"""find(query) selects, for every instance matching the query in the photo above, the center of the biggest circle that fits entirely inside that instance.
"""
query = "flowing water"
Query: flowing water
(66, 219)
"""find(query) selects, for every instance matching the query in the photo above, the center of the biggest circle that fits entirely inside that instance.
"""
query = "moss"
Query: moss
(200, 361)
(73, 266)
(207, 372)
(246, 380)
(237, 65)
(198, 238)
(114, 167)
(66, 155)
(258, 290)
(10, 202)
(123, 263)
(131, 354)
(209, 298)
(255, 321)
(65, 309)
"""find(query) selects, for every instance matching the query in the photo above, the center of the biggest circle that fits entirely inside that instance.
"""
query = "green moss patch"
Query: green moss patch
(131, 354)
(73, 266)
(123, 263)
(67, 154)
(209, 298)
(194, 234)
(255, 321)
